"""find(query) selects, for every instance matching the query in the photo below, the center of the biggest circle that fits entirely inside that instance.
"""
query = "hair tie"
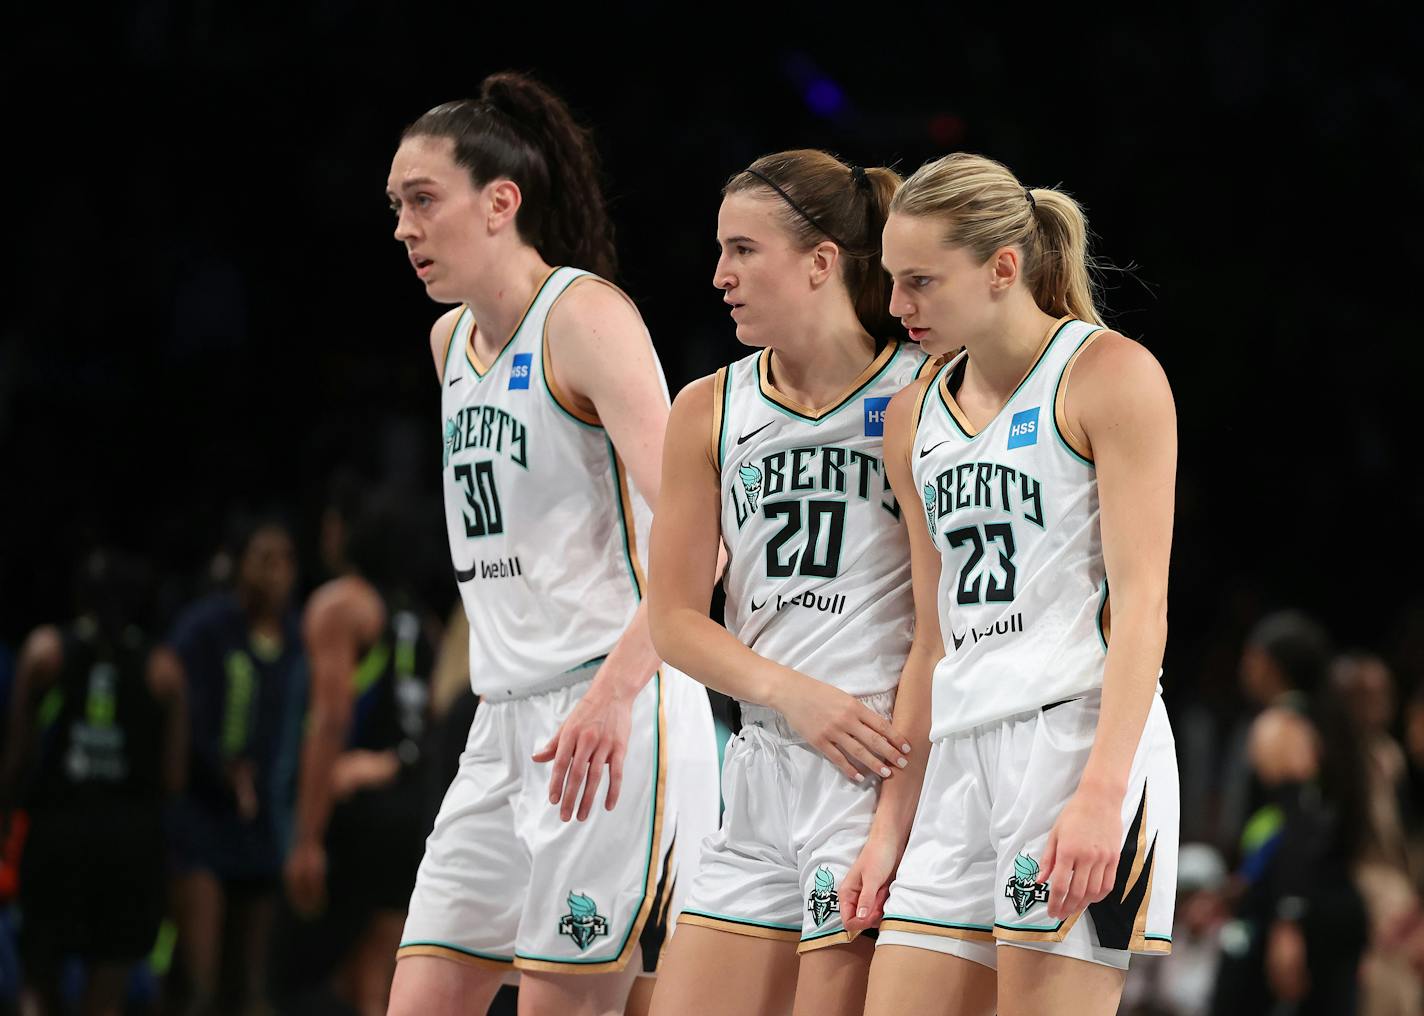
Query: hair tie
(859, 177)
(1032, 205)
(805, 214)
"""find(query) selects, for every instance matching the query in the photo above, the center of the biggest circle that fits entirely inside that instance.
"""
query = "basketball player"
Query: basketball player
(96, 745)
(779, 456)
(1041, 459)
(552, 401)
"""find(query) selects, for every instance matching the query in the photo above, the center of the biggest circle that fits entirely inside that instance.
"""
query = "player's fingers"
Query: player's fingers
(1059, 886)
(1050, 857)
(885, 729)
(882, 749)
(1077, 891)
(1106, 876)
(563, 758)
(838, 759)
(578, 772)
(590, 789)
(547, 752)
(860, 753)
(615, 778)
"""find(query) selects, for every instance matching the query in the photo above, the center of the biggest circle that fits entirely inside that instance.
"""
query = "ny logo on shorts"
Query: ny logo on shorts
(822, 901)
(1023, 887)
(583, 923)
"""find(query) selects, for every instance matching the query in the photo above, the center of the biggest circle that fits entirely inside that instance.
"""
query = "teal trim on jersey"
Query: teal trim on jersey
(1158, 938)
(652, 846)
(816, 421)
(1029, 927)
(514, 336)
(956, 925)
(742, 920)
(459, 949)
(596, 661)
(1101, 607)
(624, 520)
(445, 368)
(1009, 401)
(722, 427)
(1058, 388)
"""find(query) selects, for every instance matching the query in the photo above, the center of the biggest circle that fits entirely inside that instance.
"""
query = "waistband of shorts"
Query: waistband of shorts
(1092, 695)
(882, 702)
(558, 682)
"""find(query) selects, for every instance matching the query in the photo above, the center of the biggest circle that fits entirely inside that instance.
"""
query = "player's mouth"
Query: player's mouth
(916, 334)
(735, 306)
(421, 264)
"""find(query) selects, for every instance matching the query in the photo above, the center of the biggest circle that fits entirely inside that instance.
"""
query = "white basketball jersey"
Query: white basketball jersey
(544, 528)
(819, 571)
(1013, 509)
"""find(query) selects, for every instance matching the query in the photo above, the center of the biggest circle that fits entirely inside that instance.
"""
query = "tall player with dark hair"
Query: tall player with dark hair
(553, 411)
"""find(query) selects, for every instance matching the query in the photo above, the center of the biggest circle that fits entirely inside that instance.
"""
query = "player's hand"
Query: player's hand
(594, 735)
(1080, 861)
(867, 884)
(305, 875)
(844, 730)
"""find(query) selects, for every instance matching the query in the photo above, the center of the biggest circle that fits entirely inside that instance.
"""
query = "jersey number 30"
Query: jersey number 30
(482, 497)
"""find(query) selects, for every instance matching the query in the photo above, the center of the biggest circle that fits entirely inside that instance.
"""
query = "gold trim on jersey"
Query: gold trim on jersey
(565, 402)
(1139, 941)
(1140, 857)
(1107, 617)
(735, 927)
(630, 525)
(719, 388)
(480, 369)
(1020, 935)
(450, 341)
(918, 928)
(441, 952)
(1060, 399)
(841, 937)
(953, 406)
(764, 381)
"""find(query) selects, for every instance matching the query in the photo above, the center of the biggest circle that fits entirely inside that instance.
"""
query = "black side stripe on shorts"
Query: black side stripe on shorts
(656, 927)
(1060, 702)
(1116, 914)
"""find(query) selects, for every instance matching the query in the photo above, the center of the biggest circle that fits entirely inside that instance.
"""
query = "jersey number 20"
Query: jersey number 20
(827, 515)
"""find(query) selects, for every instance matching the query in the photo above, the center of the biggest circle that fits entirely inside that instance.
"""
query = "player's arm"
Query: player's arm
(441, 335)
(168, 687)
(36, 672)
(343, 615)
(604, 369)
(686, 540)
(868, 882)
(1119, 405)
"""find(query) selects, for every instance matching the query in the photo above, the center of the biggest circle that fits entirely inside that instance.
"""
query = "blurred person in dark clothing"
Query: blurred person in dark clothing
(1299, 926)
(96, 743)
(363, 806)
(241, 653)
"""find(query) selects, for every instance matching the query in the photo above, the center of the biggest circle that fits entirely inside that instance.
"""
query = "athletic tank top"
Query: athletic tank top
(545, 530)
(101, 729)
(391, 689)
(1013, 509)
(818, 576)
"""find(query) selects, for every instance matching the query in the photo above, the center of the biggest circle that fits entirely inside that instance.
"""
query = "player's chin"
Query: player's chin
(751, 335)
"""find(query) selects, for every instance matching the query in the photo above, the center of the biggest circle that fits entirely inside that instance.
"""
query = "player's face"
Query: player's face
(940, 293)
(763, 277)
(439, 216)
(269, 567)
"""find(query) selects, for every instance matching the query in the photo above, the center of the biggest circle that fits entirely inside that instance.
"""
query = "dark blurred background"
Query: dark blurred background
(205, 315)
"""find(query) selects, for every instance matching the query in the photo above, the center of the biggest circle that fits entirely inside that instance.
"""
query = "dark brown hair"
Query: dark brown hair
(520, 130)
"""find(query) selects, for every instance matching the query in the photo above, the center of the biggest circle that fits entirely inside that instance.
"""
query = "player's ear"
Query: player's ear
(503, 199)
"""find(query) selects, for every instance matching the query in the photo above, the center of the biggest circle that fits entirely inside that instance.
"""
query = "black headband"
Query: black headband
(807, 215)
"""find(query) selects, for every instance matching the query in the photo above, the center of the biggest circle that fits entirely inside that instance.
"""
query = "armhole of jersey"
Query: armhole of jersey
(449, 344)
(1060, 398)
(719, 419)
(560, 397)
(919, 411)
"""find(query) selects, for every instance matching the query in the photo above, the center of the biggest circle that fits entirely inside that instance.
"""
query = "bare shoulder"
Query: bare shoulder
(901, 410)
(348, 605)
(440, 335)
(598, 314)
(695, 399)
(1112, 359)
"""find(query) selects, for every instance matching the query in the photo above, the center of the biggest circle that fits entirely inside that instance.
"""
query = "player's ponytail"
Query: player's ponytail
(822, 199)
(987, 208)
(520, 130)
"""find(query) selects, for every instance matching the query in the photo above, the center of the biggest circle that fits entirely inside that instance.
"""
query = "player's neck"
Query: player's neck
(999, 358)
(502, 295)
(814, 365)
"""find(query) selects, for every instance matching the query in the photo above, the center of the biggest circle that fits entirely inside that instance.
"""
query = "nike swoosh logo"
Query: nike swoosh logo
(453, 381)
(751, 434)
(926, 451)
(958, 639)
(757, 606)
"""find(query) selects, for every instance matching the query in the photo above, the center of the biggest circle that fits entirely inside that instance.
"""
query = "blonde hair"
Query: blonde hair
(988, 208)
